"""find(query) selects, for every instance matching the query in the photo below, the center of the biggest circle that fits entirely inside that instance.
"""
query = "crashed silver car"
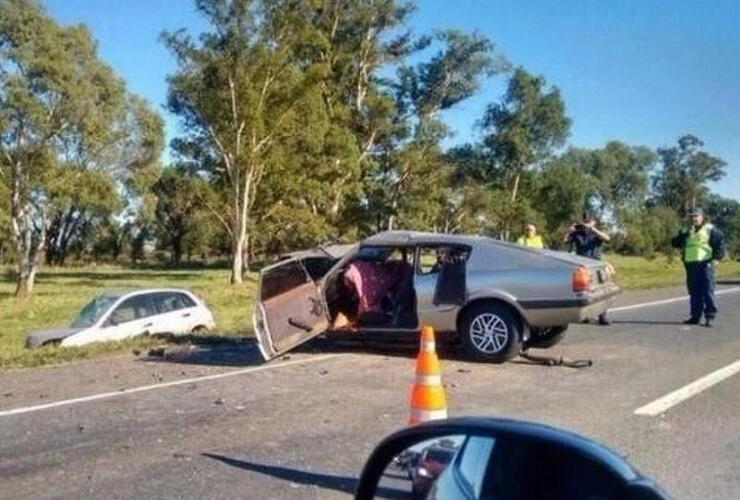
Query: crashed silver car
(496, 296)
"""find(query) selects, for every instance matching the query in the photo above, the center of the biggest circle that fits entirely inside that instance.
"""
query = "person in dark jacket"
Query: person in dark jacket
(700, 244)
(587, 239)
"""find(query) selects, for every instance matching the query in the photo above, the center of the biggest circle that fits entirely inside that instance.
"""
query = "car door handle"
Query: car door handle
(148, 325)
(186, 315)
(299, 324)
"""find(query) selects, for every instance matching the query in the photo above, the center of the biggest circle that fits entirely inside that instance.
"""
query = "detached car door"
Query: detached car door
(289, 309)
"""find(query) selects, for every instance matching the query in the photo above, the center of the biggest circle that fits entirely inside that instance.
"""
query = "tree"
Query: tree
(61, 109)
(560, 191)
(725, 214)
(620, 176)
(238, 91)
(681, 182)
(525, 127)
(183, 223)
(410, 178)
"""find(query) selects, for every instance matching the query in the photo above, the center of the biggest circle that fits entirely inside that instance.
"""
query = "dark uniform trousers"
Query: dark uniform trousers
(700, 282)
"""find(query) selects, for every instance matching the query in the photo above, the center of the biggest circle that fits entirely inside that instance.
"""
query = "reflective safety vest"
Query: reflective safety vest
(697, 247)
(534, 242)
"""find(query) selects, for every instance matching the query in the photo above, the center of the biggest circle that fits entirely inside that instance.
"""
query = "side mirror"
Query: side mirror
(111, 321)
(501, 459)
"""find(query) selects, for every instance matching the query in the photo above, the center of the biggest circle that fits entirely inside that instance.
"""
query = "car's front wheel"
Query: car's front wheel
(545, 338)
(491, 332)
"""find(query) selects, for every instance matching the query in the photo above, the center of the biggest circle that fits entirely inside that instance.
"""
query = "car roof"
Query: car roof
(123, 293)
(419, 237)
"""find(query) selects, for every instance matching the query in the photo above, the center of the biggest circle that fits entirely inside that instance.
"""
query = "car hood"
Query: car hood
(39, 337)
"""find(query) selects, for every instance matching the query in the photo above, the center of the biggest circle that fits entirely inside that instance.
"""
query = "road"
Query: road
(215, 423)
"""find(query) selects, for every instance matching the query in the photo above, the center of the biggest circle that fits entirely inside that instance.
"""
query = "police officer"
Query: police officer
(700, 244)
(530, 238)
(587, 239)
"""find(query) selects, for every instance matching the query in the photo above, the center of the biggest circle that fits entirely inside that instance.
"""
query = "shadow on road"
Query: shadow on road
(397, 345)
(345, 484)
(209, 350)
(729, 281)
(645, 322)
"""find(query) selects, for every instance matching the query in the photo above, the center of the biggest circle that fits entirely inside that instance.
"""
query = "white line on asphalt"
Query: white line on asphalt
(667, 301)
(672, 399)
(123, 392)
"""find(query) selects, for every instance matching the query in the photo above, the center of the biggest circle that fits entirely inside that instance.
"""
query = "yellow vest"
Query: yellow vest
(697, 247)
(534, 242)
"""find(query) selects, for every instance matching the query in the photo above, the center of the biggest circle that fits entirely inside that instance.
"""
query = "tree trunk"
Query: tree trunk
(515, 188)
(177, 249)
(26, 280)
(237, 263)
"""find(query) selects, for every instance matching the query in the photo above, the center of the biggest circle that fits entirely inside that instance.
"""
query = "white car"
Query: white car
(119, 315)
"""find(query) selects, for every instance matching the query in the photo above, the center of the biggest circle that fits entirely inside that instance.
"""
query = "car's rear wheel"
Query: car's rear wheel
(491, 332)
(544, 338)
(200, 329)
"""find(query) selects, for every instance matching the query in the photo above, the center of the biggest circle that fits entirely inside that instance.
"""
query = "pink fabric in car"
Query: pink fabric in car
(371, 281)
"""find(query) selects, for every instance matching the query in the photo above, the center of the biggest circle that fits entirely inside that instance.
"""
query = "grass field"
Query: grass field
(60, 293)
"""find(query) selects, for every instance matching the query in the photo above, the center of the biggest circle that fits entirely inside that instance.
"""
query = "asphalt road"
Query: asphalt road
(302, 427)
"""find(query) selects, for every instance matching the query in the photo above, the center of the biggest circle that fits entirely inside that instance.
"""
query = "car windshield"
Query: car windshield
(94, 310)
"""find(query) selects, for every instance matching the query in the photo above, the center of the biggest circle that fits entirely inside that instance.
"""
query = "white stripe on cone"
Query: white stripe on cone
(428, 346)
(428, 379)
(418, 415)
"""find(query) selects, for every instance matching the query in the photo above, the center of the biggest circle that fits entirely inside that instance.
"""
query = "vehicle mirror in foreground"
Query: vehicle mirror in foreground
(499, 459)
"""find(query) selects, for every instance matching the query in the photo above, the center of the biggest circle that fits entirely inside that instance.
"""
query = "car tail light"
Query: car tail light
(581, 279)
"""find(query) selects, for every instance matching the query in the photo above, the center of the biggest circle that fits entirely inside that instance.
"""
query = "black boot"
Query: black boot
(709, 322)
(691, 321)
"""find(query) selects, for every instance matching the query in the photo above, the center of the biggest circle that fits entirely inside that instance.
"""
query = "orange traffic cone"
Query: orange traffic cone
(428, 400)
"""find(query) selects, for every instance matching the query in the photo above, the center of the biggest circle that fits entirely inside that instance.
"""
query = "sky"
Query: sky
(643, 72)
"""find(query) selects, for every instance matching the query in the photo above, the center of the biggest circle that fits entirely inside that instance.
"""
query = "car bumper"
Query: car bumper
(553, 312)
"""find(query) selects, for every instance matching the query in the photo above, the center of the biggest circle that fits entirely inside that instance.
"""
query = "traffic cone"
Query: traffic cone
(428, 400)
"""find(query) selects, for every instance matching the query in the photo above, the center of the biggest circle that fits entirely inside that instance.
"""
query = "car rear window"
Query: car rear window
(282, 278)
(440, 456)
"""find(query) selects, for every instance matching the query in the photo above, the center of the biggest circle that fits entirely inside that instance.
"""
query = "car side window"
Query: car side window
(165, 302)
(433, 257)
(282, 278)
(472, 462)
(185, 301)
(135, 307)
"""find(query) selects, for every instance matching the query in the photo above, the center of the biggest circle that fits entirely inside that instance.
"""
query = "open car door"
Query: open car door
(289, 309)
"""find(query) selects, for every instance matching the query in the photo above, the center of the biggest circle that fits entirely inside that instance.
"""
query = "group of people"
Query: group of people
(701, 245)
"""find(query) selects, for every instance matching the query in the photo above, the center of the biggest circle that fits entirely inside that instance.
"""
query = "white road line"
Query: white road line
(667, 301)
(123, 392)
(672, 399)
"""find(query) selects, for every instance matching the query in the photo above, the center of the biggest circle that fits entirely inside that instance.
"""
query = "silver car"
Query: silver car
(496, 296)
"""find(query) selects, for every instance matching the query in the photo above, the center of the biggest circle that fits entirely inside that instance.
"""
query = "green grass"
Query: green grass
(60, 293)
(635, 273)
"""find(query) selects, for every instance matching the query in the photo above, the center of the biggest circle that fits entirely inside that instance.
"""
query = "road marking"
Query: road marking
(667, 301)
(672, 399)
(123, 392)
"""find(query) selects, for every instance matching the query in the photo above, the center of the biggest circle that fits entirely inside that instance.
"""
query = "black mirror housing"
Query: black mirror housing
(524, 442)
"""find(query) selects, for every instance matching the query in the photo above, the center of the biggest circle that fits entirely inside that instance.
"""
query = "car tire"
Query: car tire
(199, 330)
(491, 332)
(544, 338)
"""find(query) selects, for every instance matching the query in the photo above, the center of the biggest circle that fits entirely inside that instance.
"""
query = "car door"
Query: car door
(440, 284)
(289, 309)
(133, 316)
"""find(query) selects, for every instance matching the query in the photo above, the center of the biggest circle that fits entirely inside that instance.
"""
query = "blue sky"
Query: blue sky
(641, 71)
